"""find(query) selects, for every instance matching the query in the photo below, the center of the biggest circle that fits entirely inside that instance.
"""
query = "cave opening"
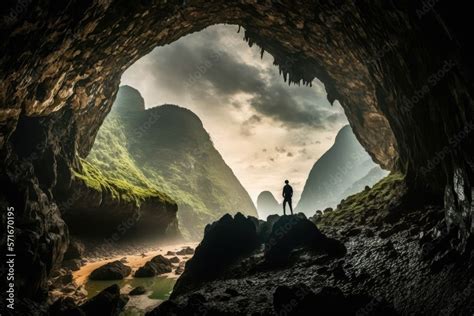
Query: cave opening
(265, 130)
(411, 109)
(180, 113)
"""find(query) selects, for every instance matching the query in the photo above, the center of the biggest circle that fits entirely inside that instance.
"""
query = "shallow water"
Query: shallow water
(158, 289)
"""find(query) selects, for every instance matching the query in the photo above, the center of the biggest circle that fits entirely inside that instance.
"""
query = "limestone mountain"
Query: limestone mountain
(372, 177)
(340, 171)
(167, 148)
(267, 205)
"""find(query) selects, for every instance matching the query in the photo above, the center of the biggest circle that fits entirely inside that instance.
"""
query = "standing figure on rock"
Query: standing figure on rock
(287, 195)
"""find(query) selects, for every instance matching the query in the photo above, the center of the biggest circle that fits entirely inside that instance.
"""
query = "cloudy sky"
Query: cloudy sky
(265, 130)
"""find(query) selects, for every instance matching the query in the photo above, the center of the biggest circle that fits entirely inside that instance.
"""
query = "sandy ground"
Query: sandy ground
(134, 261)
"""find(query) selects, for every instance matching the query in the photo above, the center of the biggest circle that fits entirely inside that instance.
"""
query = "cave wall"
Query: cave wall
(401, 70)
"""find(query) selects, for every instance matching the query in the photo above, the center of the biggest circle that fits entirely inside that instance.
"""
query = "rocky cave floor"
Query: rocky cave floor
(377, 253)
(407, 267)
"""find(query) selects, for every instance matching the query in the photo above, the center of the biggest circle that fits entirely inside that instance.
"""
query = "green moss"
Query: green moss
(119, 189)
(166, 149)
(366, 205)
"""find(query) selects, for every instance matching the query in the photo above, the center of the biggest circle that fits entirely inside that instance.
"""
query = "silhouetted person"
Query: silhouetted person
(287, 195)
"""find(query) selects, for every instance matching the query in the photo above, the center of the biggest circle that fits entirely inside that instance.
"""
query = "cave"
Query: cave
(400, 69)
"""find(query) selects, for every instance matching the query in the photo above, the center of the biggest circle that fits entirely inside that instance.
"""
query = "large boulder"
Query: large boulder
(108, 302)
(157, 265)
(114, 270)
(224, 242)
(65, 306)
(290, 232)
(75, 250)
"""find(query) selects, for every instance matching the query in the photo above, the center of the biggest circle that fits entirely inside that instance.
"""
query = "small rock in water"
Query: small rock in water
(174, 260)
(139, 290)
(170, 253)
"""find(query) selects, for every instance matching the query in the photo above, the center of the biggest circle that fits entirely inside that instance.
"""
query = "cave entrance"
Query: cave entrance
(62, 74)
(265, 129)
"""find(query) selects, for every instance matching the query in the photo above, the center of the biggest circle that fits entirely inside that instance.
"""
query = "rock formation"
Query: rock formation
(292, 232)
(167, 149)
(157, 265)
(108, 302)
(224, 241)
(332, 176)
(401, 70)
(408, 267)
(115, 270)
(228, 240)
(267, 205)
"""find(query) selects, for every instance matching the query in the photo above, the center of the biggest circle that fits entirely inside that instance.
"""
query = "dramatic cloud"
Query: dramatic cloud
(249, 124)
(216, 73)
(266, 130)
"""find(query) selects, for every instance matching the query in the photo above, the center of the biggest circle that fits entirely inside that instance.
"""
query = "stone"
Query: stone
(75, 250)
(295, 231)
(156, 266)
(107, 302)
(72, 264)
(237, 236)
(114, 270)
(139, 290)
(64, 279)
(179, 270)
(65, 306)
(185, 251)
(71, 82)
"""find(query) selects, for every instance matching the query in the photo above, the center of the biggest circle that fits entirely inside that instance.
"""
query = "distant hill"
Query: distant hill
(372, 177)
(167, 148)
(344, 169)
(267, 205)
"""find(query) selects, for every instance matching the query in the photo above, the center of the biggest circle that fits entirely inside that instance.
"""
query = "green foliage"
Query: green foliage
(120, 190)
(368, 204)
(166, 149)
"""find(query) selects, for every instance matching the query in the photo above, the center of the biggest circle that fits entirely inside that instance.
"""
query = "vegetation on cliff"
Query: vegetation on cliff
(165, 149)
